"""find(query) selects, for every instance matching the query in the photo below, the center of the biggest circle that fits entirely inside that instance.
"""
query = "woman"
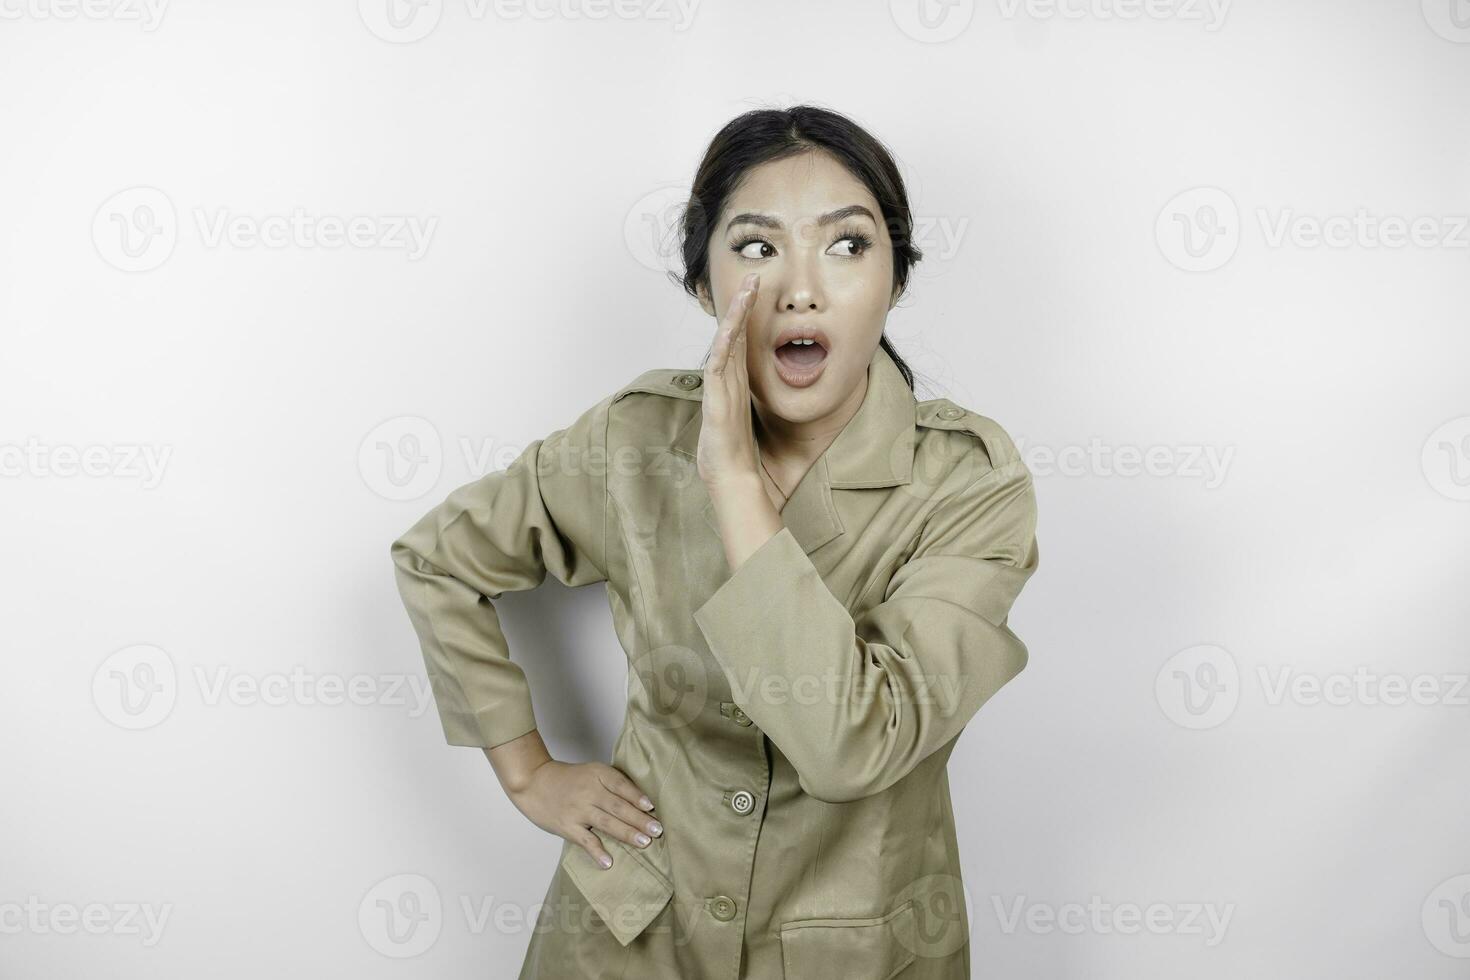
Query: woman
(810, 572)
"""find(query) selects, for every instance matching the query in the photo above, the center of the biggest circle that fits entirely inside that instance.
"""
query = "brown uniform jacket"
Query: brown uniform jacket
(792, 721)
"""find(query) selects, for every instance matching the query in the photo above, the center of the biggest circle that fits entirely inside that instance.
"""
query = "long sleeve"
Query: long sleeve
(856, 705)
(547, 511)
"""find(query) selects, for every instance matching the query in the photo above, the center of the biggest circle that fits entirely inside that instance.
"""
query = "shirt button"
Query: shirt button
(722, 907)
(735, 713)
(688, 381)
(742, 802)
(951, 412)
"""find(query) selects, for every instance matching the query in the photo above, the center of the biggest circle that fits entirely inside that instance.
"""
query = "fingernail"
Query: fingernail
(642, 839)
(655, 828)
(605, 861)
(645, 802)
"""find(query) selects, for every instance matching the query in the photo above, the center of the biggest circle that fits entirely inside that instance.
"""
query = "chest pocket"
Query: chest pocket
(628, 895)
(876, 948)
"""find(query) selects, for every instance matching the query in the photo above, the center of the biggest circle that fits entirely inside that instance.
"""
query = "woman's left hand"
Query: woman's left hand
(727, 451)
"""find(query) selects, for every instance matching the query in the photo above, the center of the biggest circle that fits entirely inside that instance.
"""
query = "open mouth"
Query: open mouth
(800, 356)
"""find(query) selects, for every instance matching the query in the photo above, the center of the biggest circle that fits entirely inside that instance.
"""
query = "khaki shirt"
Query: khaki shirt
(792, 720)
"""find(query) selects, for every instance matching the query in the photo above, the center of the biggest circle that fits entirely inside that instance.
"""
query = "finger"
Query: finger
(615, 781)
(614, 827)
(735, 315)
(630, 815)
(590, 843)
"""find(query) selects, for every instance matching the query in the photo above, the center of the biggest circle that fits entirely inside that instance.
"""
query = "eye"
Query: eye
(744, 250)
(859, 244)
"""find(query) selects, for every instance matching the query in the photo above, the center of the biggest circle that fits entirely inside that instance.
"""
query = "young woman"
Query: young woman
(810, 572)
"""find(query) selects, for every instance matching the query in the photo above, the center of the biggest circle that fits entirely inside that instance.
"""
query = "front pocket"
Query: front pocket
(626, 896)
(874, 948)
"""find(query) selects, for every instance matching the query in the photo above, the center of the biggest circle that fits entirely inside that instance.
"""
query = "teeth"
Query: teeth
(803, 343)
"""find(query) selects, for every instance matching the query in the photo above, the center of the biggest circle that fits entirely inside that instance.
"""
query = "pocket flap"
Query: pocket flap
(874, 948)
(625, 896)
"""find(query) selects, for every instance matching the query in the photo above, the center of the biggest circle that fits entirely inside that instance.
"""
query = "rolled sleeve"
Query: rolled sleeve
(856, 704)
(546, 512)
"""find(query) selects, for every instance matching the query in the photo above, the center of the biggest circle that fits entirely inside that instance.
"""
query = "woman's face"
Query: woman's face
(816, 236)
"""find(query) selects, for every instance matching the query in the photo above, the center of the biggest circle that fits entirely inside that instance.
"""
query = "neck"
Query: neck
(796, 445)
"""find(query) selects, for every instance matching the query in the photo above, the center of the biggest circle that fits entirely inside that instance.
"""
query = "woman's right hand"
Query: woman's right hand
(567, 799)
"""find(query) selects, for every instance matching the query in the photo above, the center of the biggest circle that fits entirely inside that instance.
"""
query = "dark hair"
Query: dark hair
(763, 135)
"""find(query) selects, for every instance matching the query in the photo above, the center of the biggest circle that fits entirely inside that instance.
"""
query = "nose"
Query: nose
(801, 286)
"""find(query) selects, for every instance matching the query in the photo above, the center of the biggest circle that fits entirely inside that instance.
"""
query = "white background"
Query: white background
(1056, 156)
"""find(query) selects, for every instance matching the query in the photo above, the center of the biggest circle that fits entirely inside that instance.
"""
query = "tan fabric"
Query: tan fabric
(791, 721)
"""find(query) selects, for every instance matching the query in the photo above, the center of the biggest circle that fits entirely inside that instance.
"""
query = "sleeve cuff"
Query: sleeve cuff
(738, 615)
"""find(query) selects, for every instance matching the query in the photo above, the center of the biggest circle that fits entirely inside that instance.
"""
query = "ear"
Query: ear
(705, 302)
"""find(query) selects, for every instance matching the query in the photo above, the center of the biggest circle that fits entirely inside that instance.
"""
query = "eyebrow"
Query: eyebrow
(766, 221)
